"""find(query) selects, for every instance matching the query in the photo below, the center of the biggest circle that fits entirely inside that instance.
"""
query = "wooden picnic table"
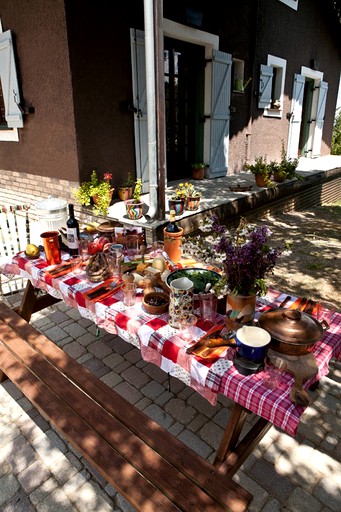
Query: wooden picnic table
(161, 344)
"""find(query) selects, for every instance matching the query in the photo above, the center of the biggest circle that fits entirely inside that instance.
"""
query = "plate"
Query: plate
(199, 276)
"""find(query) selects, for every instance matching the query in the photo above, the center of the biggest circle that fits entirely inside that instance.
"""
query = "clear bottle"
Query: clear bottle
(72, 232)
(172, 226)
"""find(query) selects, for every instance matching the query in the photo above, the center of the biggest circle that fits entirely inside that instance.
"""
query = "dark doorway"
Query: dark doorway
(303, 148)
(184, 65)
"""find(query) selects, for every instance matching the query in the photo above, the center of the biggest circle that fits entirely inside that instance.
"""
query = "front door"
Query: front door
(184, 66)
(304, 147)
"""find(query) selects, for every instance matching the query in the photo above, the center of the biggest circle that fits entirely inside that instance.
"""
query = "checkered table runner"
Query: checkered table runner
(162, 345)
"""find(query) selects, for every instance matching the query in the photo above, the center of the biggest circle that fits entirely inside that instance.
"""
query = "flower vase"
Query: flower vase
(177, 205)
(192, 203)
(240, 309)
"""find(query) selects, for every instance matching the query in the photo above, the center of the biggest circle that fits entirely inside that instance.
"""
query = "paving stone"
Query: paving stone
(113, 360)
(202, 405)
(8, 434)
(153, 390)
(63, 469)
(124, 505)
(72, 485)
(93, 364)
(272, 505)
(43, 491)
(89, 500)
(111, 379)
(164, 398)
(57, 501)
(87, 339)
(74, 349)
(21, 455)
(275, 484)
(55, 333)
(260, 495)
(142, 404)
(180, 410)
(99, 349)
(57, 317)
(155, 373)
(302, 501)
(212, 434)
(19, 503)
(33, 476)
(193, 441)
(329, 491)
(135, 377)
(133, 356)
(46, 450)
(129, 392)
(198, 421)
(159, 415)
(9, 485)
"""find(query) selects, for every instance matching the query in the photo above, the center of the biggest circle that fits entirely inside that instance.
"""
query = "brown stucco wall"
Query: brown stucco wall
(47, 143)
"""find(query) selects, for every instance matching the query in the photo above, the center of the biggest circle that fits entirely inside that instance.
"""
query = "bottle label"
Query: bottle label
(72, 240)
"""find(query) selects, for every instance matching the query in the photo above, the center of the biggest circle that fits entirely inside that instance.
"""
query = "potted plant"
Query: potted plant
(193, 196)
(134, 205)
(125, 191)
(261, 170)
(198, 170)
(177, 199)
(97, 192)
(279, 174)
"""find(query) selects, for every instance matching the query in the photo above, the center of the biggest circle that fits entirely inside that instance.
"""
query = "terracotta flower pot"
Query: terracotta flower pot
(279, 178)
(95, 198)
(134, 210)
(177, 205)
(192, 203)
(260, 181)
(124, 193)
(198, 174)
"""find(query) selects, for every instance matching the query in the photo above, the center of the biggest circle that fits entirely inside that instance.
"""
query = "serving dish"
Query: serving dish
(199, 276)
(155, 303)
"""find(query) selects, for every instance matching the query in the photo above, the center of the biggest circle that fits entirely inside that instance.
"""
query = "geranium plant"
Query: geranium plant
(244, 256)
(98, 191)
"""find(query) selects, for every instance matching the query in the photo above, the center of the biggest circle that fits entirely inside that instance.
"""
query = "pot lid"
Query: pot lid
(291, 326)
(51, 204)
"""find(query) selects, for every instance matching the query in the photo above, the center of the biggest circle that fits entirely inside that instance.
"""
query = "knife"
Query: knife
(61, 268)
(111, 287)
(284, 302)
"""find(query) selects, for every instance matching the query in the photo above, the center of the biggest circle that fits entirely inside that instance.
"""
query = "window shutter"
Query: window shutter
(9, 82)
(296, 116)
(220, 113)
(138, 61)
(265, 86)
(321, 108)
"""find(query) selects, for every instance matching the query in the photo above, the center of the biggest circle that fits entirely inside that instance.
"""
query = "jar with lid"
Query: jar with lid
(115, 259)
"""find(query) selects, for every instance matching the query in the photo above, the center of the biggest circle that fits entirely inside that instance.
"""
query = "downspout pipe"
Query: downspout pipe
(151, 110)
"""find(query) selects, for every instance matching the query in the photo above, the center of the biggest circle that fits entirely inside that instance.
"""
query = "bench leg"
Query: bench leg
(3, 376)
(233, 451)
(30, 303)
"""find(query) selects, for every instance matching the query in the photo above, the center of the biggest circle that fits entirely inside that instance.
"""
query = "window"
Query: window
(11, 115)
(291, 3)
(271, 86)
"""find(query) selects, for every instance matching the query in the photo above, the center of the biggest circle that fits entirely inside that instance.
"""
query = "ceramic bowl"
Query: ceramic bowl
(152, 298)
(199, 276)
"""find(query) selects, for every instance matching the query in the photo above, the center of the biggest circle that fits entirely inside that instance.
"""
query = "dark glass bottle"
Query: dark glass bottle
(172, 227)
(72, 232)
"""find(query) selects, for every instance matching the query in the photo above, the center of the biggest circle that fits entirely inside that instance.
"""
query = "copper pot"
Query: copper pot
(292, 332)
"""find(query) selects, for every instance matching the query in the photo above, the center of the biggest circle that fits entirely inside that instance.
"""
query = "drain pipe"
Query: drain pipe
(151, 110)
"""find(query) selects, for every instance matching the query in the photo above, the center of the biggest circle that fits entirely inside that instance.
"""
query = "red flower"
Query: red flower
(107, 176)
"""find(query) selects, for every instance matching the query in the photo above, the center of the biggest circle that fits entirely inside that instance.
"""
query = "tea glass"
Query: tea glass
(208, 307)
(129, 294)
(131, 246)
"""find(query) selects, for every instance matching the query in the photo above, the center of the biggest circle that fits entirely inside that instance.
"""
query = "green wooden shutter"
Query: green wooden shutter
(220, 113)
(321, 108)
(138, 62)
(296, 116)
(265, 86)
(9, 82)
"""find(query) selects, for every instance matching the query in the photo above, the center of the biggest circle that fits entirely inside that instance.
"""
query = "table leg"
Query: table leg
(31, 303)
(232, 451)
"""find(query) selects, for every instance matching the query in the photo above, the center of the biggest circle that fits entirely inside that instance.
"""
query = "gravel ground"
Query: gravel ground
(313, 270)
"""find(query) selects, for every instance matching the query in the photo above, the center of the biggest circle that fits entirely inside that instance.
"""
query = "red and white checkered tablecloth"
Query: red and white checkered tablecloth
(161, 344)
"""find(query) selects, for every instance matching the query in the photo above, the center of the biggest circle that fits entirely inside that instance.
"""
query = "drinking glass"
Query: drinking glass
(208, 307)
(51, 247)
(84, 246)
(129, 294)
(76, 264)
(187, 327)
(131, 245)
(115, 257)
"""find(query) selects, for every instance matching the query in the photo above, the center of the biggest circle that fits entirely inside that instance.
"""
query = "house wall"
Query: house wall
(47, 143)
(298, 40)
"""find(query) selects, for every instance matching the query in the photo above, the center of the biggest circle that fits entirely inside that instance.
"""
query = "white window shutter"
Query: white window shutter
(138, 61)
(220, 113)
(265, 86)
(296, 116)
(9, 82)
(321, 108)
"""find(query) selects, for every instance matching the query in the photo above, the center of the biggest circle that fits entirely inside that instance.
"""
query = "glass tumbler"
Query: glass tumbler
(208, 307)
(51, 247)
(115, 257)
(129, 294)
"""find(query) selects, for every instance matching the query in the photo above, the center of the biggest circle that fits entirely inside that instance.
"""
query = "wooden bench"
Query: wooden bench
(152, 469)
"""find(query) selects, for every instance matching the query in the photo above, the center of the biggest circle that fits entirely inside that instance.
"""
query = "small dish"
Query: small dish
(155, 303)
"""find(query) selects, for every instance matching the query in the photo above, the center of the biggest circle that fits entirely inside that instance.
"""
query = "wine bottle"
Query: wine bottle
(172, 227)
(72, 232)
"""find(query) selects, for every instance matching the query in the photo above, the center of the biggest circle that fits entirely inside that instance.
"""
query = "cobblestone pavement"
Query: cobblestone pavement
(40, 471)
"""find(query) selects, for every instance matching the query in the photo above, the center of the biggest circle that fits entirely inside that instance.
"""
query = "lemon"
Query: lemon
(32, 250)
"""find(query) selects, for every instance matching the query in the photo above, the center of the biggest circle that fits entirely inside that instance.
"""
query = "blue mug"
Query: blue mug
(252, 342)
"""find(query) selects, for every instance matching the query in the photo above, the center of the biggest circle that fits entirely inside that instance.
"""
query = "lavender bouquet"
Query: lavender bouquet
(244, 256)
